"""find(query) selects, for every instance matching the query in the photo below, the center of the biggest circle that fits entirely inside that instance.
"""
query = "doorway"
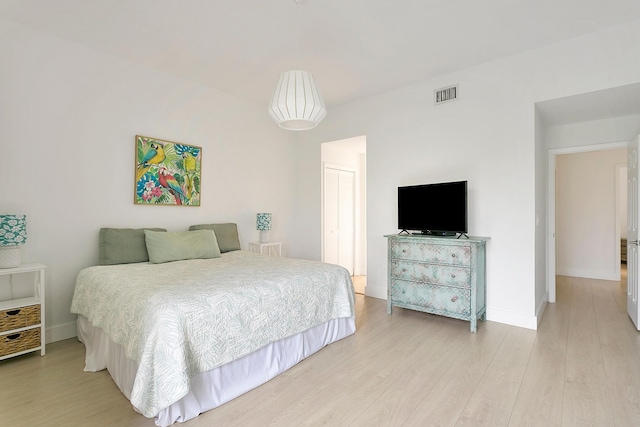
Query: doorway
(344, 207)
(553, 217)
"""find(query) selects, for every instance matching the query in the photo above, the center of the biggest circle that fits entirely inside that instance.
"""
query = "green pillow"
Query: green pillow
(176, 246)
(226, 234)
(123, 245)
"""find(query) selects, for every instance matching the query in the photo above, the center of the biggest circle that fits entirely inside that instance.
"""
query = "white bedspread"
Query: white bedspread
(183, 318)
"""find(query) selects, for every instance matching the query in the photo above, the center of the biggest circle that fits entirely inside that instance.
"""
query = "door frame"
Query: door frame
(618, 195)
(551, 204)
(329, 165)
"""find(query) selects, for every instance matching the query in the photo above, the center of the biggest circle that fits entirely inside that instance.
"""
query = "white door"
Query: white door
(339, 217)
(632, 231)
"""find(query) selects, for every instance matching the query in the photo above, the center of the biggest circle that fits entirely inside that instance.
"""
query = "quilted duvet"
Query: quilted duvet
(182, 318)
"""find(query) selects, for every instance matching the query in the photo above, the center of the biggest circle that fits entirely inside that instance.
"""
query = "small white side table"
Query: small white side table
(22, 320)
(269, 248)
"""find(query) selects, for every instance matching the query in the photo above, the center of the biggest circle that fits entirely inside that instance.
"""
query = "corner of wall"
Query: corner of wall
(60, 332)
(541, 308)
(511, 318)
(376, 292)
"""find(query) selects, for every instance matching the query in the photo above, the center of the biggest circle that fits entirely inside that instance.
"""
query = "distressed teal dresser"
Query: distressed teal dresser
(438, 275)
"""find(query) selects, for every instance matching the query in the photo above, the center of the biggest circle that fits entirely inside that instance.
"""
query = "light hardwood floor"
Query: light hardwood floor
(581, 368)
(359, 283)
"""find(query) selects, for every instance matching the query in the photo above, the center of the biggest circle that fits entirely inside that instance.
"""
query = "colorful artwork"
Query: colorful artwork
(167, 173)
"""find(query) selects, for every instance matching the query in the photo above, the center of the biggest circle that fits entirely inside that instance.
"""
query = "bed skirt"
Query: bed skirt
(212, 388)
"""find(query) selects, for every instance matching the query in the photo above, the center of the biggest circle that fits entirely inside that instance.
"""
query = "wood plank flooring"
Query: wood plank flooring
(359, 283)
(581, 368)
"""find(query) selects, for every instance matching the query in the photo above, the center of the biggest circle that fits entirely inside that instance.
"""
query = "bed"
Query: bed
(202, 326)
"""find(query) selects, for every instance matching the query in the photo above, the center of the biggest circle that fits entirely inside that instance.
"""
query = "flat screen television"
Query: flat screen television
(436, 209)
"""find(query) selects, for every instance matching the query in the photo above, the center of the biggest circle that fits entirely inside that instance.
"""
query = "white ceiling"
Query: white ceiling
(354, 48)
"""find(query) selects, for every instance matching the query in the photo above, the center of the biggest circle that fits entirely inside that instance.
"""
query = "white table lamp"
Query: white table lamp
(13, 233)
(263, 223)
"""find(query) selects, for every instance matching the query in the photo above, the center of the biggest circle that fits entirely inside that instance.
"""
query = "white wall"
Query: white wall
(486, 137)
(587, 216)
(68, 117)
(362, 238)
(542, 242)
(616, 129)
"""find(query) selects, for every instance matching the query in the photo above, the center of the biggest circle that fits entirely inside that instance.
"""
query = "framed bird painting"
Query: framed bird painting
(167, 173)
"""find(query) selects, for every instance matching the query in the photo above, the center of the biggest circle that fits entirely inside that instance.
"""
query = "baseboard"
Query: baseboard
(60, 332)
(375, 292)
(494, 315)
(513, 319)
(359, 271)
(588, 274)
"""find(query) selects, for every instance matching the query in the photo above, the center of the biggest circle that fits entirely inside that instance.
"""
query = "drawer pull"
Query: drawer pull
(13, 312)
(13, 337)
(453, 276)
(454, 298)
(453, 255)
(404, 270)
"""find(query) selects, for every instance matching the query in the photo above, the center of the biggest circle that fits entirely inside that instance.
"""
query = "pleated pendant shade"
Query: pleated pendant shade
(296, 103)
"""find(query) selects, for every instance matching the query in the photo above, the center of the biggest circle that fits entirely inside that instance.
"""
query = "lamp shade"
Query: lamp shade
(13, 233)
(263, 221)
(13, 230)
(296, 103)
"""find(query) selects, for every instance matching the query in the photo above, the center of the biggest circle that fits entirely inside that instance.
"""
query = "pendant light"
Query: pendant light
(296, 103)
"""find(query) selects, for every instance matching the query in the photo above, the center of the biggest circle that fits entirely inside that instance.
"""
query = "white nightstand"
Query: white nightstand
(22, 319)
(269, 248)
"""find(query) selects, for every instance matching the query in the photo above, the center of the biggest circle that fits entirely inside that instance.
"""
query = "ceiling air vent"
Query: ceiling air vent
(445, 94)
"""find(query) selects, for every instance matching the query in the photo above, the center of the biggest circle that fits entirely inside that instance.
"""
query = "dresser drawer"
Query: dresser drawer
(431, 273)
(433, 298)
(19, 341)
(441, 254)
(19, 317)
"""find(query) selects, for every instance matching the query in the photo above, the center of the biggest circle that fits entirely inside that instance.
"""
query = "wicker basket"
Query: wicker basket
(19, 341)
(19, 317)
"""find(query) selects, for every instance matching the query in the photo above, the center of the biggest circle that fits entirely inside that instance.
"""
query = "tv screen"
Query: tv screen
(438, 209)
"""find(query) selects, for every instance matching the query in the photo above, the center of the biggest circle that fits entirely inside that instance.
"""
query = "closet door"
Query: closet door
(339, 217)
